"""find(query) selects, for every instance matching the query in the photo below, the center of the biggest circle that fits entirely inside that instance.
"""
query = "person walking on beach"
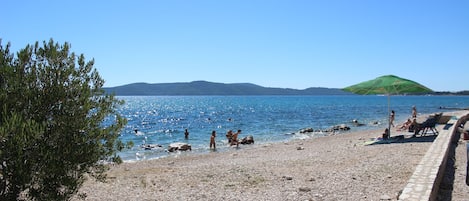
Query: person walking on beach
(414, 112)
(212, 140)
(391, 118)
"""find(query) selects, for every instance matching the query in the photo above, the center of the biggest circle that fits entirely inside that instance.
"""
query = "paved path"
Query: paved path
(424, 184)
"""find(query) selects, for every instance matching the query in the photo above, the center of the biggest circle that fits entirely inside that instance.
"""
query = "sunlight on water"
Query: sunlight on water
(162, 120)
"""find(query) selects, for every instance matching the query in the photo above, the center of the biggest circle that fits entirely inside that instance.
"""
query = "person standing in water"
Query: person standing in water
(234, 139)
(212, 140)
(229, 136)
(186, 134)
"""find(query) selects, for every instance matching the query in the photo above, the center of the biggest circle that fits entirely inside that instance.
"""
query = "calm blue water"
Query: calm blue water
(162, 120)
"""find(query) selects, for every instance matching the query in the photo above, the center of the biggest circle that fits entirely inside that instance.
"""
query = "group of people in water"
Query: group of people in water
(405, 126)
(230, 136)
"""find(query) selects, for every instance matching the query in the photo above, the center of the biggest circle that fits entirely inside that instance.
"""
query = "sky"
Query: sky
(288, 43)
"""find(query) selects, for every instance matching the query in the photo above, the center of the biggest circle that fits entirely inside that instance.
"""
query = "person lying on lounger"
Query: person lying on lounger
(405, 125)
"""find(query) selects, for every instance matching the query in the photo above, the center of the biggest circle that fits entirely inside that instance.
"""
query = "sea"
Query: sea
(162, 120)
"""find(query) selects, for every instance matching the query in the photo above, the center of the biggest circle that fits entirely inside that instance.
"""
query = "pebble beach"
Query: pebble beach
(338, 167)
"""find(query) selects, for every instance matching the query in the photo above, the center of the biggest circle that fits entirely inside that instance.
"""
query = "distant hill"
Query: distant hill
(199, 88)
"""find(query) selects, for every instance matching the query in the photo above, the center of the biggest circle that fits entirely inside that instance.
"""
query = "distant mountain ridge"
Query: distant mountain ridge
(199, 88)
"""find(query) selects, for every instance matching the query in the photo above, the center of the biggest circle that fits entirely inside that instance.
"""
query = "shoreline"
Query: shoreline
(269, 118)
(337, 167)
(222, 142)
(223, 145)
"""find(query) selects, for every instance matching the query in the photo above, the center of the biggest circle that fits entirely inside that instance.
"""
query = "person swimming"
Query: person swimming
(138, 133)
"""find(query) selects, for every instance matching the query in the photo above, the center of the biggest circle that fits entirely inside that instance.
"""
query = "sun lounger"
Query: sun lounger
(428, 125)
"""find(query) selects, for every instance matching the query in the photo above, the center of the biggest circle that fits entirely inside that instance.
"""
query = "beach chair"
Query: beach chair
(428, 125)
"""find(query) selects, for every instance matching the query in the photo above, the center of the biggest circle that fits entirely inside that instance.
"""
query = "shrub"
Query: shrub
(52, 122)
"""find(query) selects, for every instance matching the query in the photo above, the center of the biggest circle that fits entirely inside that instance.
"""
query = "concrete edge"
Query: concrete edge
(425, 181)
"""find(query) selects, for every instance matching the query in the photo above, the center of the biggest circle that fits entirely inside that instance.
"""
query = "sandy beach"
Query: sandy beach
(338, 167)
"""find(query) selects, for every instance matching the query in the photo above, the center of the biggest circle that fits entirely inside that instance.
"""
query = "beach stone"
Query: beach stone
(307, 130)
(304, 189)
(247, 140)
(288, 178)
(344, 127)
(341, 127)
(385, 197)
(150, 146)
(317, 195)
(179, 146)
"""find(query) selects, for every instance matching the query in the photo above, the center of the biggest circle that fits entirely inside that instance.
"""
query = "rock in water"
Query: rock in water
(179, 146)
(247, 140)
(307, 130)
(150, 146)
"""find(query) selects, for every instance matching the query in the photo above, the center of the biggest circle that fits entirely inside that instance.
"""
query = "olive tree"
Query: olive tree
(56, 123)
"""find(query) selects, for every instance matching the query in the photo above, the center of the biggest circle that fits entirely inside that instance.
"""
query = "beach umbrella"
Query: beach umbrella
(388, 85)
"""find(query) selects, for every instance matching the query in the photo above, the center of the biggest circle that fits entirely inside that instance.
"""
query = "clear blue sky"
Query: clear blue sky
(288, 44)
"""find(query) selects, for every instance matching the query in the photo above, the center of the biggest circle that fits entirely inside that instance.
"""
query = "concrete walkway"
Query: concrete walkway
(425, 182)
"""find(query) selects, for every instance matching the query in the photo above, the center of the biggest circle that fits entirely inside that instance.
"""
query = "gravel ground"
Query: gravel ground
(338, 167)
(460, 188)
(453, 186)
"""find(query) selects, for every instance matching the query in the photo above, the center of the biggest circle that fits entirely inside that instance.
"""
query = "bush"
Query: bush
(52, 129)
